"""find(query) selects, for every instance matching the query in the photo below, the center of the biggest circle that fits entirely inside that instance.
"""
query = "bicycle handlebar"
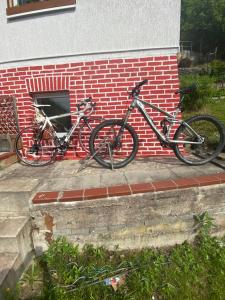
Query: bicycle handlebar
(86, 102)
(141, 83)
(136, 89)
(89, 105)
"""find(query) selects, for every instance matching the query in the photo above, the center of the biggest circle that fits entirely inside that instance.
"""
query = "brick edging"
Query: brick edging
(123, 190)
(6, 155)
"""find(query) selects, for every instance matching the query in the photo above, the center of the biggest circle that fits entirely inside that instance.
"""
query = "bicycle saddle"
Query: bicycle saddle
(40, 105)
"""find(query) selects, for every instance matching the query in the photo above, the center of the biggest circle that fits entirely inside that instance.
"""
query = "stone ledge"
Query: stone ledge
(123, 190)
(6, 155)
(7, 159)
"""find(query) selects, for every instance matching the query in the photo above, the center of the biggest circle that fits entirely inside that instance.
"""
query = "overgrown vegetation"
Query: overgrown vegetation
(209, 96)
(217, 70)
(187, 271)
(203, 23)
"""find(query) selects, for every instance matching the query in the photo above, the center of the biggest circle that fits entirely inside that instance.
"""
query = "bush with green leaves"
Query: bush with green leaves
(218, 71)
(205, 90)
(194, 271)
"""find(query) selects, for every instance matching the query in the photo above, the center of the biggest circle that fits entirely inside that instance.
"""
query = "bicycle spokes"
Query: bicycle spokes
(36, 148)
(201, 138)
(112, 146)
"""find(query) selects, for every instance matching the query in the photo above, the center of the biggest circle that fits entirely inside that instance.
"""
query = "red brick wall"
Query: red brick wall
(106, 82)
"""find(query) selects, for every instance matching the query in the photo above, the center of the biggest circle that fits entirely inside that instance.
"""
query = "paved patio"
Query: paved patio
(64, 175)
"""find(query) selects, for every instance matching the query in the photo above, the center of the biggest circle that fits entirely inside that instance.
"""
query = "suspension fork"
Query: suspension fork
(125, 120)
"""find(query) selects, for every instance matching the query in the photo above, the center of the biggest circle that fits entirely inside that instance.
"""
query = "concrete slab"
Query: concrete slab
(164, 174)
(14, 203)
(210, 168)
(183, 171)
(15, 235)
(7, 261)
(115, 178)
(18, 184)
(12, 266)
(10, 227)
(69, 183)
(135, 176)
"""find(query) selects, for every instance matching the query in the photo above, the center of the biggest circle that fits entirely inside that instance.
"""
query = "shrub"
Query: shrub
(186, 271)
(204, 92)
(218, 71)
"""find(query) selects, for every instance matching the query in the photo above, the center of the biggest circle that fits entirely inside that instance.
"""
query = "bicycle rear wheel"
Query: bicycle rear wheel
(35, 147)
(108, 150)
(208, 128)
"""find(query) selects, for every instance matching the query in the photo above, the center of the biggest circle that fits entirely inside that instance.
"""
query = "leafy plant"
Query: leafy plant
(187, 271)
(204, 92)
(218, 71)
(203, 23)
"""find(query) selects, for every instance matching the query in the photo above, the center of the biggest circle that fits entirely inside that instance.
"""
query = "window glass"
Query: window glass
(17, 7)
(21, 2)
(60, 104)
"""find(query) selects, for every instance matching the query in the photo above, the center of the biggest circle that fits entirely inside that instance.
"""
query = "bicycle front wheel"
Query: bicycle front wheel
(110, 149)
(85, 132)
(202, 142)
(35, 147)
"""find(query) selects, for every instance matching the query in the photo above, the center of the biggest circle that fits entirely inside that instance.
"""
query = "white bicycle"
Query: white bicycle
(39, 144)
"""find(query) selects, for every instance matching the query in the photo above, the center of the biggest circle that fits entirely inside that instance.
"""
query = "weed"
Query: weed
(187, 271)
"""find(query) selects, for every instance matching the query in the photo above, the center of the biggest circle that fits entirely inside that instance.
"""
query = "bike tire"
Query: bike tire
(85, 131)
(100, 149)
(31, 153)
(208, 127)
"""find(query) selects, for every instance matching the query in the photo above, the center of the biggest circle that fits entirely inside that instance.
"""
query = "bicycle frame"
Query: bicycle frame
(79, 114)
(170, 118)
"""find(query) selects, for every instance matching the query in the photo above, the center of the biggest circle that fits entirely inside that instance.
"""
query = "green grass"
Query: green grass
(188, 271)
(213, 107)
(208, 99)
(216, 108)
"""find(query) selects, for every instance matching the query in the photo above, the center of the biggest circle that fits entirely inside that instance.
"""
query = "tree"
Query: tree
(203, 23)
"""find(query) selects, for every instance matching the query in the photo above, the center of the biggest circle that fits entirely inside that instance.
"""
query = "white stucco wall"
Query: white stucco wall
(103, 28)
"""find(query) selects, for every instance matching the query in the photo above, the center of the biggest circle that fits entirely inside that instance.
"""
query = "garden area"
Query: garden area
(192, 270)
(209, 95)
(187, 271)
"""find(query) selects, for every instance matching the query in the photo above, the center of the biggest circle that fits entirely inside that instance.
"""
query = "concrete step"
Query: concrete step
(16, 250)
(12, 266)
(9, 272)
(15, 235)
(15, 194)
(7, 159)
(14, 204)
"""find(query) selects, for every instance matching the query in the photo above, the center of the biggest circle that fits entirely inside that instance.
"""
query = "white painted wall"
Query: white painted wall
(103, 28)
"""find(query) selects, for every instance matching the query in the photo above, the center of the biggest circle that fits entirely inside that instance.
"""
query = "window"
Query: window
(60, 104)
(16, 7)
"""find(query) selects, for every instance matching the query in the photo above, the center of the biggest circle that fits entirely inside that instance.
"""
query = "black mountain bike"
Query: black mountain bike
(198, 140)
